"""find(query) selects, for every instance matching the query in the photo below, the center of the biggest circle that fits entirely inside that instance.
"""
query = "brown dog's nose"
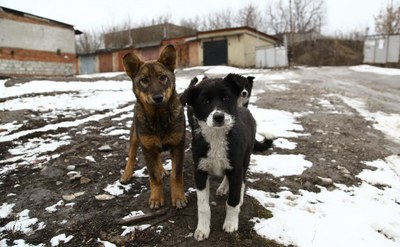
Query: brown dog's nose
(158, 98)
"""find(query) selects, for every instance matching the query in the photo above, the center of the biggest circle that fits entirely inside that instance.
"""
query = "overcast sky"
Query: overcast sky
(342, 15)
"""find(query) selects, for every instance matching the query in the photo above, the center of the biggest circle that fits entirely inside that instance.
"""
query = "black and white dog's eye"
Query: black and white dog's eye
(225, 98)
(206, 102)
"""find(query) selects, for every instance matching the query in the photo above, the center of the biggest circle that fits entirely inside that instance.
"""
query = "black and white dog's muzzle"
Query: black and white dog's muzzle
(219, 118)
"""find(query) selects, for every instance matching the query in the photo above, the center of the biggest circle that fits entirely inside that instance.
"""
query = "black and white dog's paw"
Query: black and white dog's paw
(223, 187)
(201, 233)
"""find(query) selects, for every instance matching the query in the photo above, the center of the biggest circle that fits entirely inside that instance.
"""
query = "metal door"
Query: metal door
(215, 52)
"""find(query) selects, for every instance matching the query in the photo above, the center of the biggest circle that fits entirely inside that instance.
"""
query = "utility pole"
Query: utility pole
(291, 35)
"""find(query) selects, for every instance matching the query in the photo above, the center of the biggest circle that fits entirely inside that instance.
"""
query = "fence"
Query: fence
(382, 49)
(271, 57)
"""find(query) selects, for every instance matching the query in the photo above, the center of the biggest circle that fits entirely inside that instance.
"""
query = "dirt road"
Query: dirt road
(58, 155)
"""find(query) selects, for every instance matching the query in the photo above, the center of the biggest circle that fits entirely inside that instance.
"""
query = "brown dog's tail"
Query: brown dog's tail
(266, 144)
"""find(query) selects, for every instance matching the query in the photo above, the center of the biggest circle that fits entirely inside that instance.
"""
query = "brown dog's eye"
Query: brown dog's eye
(163, 78)
(144, 81)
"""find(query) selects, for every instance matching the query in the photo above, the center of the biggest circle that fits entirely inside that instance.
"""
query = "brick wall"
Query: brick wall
(35, 46)
(21, 62)
(35, 68)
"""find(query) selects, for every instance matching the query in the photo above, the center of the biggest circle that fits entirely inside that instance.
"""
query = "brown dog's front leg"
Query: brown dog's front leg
(130, 164)
(154, 166)
(178, 197)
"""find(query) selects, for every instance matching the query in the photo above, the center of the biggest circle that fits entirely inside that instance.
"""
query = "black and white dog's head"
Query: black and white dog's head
(246, 83)
(214, 101)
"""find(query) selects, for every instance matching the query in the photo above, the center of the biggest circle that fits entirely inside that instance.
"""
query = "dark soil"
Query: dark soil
(335, 140)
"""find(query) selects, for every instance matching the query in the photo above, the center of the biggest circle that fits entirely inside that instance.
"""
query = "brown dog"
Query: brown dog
(159, 124)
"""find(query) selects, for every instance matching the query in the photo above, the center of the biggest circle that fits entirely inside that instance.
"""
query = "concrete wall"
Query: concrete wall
(241, 48)
(33, 36)
(35, 68)
(35, 47)
(236, 50)
(251, 42)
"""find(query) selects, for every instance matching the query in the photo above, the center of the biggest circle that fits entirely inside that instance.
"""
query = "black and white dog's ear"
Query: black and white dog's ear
(193, 81)
(189, 95)
(235, 82)
(250, 79)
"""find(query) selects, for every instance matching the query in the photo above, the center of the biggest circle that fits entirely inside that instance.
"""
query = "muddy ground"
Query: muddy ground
(337, 146)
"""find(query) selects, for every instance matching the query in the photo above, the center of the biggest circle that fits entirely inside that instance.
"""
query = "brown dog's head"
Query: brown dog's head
(153, 81)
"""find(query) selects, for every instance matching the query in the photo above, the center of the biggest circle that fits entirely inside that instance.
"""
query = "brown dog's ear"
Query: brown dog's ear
(168, 58)
(131, 64)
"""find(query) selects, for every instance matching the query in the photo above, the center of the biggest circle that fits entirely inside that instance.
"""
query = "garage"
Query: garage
(215, 52)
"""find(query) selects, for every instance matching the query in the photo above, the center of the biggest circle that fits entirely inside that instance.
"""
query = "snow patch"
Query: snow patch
(279, 164)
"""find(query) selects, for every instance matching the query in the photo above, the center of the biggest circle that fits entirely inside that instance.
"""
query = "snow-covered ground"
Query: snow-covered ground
(363, 215)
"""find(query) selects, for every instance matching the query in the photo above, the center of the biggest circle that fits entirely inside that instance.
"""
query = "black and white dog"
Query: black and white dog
(245, 82)
(223, 138)
(245, 94)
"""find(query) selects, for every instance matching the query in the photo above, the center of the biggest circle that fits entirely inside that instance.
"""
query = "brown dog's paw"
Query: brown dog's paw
(179, 202)
(155, 203)
(178, 197)
(125, 177)
(156, 197)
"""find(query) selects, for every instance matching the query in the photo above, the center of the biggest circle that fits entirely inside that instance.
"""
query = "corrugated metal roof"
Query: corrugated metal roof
(28, 15)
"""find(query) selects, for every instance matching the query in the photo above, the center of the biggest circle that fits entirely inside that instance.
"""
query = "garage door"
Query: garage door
(215, 52)
(87, 64)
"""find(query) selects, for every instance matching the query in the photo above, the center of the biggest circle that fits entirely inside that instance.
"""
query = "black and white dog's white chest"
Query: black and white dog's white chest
(216, 161)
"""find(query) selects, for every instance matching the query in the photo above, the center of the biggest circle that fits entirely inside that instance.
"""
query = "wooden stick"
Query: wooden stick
(139, 218)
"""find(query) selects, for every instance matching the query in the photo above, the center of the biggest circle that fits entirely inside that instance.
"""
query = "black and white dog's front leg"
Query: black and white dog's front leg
(203, 206)
(234, 202)
(223, 187)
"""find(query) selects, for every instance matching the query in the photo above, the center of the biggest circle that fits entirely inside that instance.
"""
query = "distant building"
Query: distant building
(382, 49)
(31, 45)
(229, 46)
(145, 36)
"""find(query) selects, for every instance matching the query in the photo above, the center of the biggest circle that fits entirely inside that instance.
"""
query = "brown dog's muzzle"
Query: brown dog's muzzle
(158, 99)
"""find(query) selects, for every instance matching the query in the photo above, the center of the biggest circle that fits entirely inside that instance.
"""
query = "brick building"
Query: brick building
(230, 46)
(35, 46)
(144, 41)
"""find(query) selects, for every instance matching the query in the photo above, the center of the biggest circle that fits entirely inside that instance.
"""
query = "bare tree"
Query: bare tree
(305, 15)
(219, 20)
(249, 16)
(192, 23)
(88, 42)
(388, 19)
(214, 20)
(277, 18)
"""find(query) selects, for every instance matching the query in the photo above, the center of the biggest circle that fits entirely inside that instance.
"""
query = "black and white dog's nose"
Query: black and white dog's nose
(219, 118)
(244, 93)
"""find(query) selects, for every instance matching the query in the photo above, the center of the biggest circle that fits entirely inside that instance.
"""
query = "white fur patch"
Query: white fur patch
(267, 135)
(203, 213)
(217, 160)
(242, 100)
(231, 223)
(228, 119)
(223, 187)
